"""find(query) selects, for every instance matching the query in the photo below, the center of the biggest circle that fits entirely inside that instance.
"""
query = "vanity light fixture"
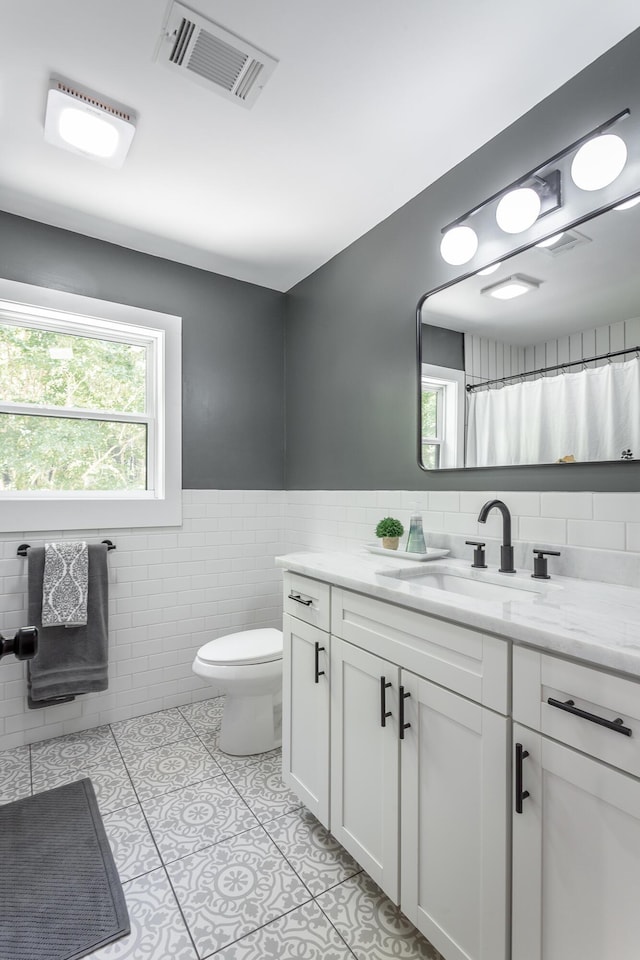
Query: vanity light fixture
(599, 162)
(598, 158)
(86, 123)
(509, 288)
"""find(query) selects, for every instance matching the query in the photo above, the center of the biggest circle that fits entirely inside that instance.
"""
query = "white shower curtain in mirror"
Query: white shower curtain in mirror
(593, 415)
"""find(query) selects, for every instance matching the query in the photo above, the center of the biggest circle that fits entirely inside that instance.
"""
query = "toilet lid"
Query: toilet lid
(249, 646)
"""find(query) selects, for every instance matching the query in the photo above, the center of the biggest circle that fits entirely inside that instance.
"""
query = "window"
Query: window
(89, 412)
(442, 411)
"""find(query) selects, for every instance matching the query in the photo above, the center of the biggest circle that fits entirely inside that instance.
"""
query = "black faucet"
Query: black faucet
(506, 550)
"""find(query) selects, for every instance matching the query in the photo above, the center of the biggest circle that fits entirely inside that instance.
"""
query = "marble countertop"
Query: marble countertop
(598, 623)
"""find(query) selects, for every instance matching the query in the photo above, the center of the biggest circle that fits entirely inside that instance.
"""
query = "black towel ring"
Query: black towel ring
(22, 549)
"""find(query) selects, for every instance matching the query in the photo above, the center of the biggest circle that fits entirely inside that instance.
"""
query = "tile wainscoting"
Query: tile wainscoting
(170, 591)
(173, 589)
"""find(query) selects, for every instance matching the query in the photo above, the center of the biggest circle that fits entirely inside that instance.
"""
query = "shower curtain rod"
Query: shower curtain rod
(558, 366)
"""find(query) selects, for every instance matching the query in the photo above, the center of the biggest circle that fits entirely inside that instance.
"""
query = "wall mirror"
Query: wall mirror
(537, 361)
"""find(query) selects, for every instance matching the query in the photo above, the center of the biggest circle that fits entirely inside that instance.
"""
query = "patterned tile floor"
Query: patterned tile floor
(216, 856)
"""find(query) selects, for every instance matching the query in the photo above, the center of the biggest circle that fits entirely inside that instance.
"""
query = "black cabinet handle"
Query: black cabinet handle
(298, 599)
(521, 794)
(403, 726)
(569, 707)
(317, 671)
(384, 713)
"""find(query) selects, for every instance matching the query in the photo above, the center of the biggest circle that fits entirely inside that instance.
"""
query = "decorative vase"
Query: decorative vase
(390, 543)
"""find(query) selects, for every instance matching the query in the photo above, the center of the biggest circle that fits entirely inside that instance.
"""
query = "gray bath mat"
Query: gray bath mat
(60, 896)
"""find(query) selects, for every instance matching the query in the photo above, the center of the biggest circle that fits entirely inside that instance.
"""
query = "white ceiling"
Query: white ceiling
(371, 102)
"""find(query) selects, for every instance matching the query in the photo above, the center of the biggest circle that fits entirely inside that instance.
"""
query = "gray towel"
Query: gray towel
(70, 660)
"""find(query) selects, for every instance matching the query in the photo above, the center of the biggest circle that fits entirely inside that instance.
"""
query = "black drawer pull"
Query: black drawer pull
(298, 599)
(384, 713)
(317, 671)
(403, 726)
(521, 794)
(569, 707)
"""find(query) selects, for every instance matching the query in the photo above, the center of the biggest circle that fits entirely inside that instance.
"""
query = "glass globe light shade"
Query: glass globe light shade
(598, 162)
(489, 270)
(628, 204)
(549, 242)
(458, 245)
(518, 210)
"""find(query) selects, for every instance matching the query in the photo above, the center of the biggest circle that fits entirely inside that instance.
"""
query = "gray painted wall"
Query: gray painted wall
(442, 347)
(350, 342)
(232, 343)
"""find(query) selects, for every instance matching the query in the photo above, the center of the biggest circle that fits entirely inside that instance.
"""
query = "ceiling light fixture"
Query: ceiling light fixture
(599, 162)
(598, 158)
(514, 286)
(87, 124)
(489, 270)
(459, 245)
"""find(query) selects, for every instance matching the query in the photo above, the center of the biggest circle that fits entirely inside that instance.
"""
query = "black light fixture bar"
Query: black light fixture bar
(523, 181)
(558, 366)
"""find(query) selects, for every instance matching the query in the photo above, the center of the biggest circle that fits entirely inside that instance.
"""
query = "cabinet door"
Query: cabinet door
(454, 822)
(305, 715)
(364, 761)
(576, 850)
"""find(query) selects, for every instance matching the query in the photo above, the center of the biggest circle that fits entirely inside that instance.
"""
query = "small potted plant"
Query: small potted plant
(390, 530)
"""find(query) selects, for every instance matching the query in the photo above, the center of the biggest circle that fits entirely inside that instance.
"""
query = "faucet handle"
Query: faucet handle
(478, 554)
(540, 563)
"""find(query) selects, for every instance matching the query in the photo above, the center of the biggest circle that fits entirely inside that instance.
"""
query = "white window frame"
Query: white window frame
(450, 427)
(161, 504)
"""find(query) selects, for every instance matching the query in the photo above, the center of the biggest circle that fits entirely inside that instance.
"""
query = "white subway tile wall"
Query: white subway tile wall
(172, 590)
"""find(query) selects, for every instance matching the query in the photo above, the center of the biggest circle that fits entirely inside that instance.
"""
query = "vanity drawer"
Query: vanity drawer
(588, 722)
(465, 661)
(307, 599)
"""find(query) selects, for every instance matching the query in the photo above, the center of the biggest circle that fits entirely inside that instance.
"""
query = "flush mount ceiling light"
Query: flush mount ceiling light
(599, 162)
(518, 210)
(514, 286)
(459, 245)
(86, 123)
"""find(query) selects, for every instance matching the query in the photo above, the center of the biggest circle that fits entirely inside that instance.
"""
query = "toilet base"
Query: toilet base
(248, 726)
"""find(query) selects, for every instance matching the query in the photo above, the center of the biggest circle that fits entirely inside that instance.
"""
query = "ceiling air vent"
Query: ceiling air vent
(214, 57)
(569, 240)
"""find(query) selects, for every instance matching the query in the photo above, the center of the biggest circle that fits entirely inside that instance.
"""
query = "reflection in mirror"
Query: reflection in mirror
(540, 361)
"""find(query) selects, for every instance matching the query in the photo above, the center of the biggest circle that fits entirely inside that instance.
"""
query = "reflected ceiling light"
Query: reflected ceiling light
(459, 245)
(86, 123)
(514, 286)
(518, 210)
(549, 242)
(489, 270)
(61, 353)
(628, 204)
(598, 162)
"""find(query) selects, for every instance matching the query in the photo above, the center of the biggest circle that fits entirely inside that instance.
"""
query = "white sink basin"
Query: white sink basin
(475, 586)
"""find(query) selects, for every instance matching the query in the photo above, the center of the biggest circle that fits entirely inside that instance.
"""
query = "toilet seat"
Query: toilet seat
(246, 647)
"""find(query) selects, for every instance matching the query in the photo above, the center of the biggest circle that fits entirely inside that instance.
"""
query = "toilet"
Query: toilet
(247, 667)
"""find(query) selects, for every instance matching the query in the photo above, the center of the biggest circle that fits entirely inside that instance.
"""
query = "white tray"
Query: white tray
(432, 553)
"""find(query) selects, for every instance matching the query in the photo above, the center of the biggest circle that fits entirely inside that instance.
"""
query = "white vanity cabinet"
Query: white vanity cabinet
(305, 692)
(418, 761)
(576, 829)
